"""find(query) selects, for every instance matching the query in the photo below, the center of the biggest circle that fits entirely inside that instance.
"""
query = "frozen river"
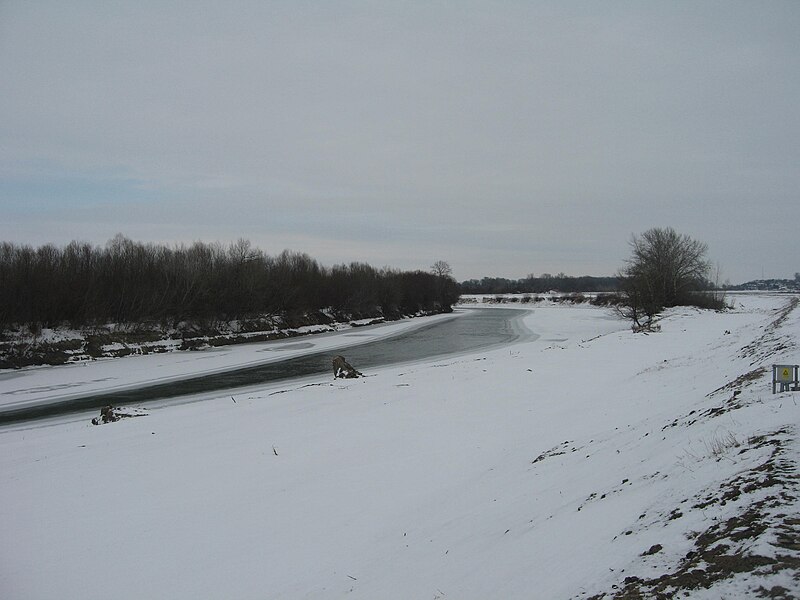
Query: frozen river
(473, 330)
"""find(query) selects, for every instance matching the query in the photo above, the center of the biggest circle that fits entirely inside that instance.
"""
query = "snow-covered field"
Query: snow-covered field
(590, 461)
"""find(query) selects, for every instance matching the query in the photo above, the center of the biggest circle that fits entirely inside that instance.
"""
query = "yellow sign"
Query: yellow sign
(784, 373)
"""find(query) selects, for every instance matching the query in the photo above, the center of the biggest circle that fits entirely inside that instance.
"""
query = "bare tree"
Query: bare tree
(665, 269)
(441, 268)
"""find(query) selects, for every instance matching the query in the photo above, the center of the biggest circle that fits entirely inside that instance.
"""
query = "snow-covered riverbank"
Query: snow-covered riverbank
(589, 461)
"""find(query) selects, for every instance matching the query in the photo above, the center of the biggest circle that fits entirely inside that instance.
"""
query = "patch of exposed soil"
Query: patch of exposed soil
(769, 343)
(743, 380)
(558, 450)
(767, 512)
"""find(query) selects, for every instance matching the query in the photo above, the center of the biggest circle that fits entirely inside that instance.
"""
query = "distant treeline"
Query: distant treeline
(128, 282)
(779, 285)
(538, 285)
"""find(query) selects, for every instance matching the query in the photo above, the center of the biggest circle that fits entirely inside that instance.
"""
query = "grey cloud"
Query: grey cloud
(532, 133)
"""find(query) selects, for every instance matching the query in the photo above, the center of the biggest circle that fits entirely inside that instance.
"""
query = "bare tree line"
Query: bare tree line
(129, 282)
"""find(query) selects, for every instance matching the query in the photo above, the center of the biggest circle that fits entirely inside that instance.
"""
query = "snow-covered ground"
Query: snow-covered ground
(590, 461)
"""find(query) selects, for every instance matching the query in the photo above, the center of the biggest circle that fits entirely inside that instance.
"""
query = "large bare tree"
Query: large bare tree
(441, 268)
(665, 269)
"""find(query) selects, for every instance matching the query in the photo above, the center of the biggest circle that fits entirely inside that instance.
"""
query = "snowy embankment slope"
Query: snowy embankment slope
(591, 461)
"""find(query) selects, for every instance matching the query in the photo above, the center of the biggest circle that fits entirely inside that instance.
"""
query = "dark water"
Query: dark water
(475, 330)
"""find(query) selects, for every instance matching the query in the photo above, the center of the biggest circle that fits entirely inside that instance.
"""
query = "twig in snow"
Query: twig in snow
(234, 399)
(299, 388)
(353, 578)
(275, 452)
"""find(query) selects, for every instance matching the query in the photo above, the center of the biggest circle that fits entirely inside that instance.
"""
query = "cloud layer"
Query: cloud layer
(506, 139)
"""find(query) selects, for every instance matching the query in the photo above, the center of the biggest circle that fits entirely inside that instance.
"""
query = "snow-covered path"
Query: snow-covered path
(551, 469)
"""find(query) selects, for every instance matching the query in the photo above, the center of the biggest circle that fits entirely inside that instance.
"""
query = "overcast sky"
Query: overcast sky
(506, 138)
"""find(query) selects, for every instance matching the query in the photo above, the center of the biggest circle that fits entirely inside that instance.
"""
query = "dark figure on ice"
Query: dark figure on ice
(107, 415)
(343, 369)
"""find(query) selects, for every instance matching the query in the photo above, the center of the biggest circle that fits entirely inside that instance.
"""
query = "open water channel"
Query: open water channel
(477, 329)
